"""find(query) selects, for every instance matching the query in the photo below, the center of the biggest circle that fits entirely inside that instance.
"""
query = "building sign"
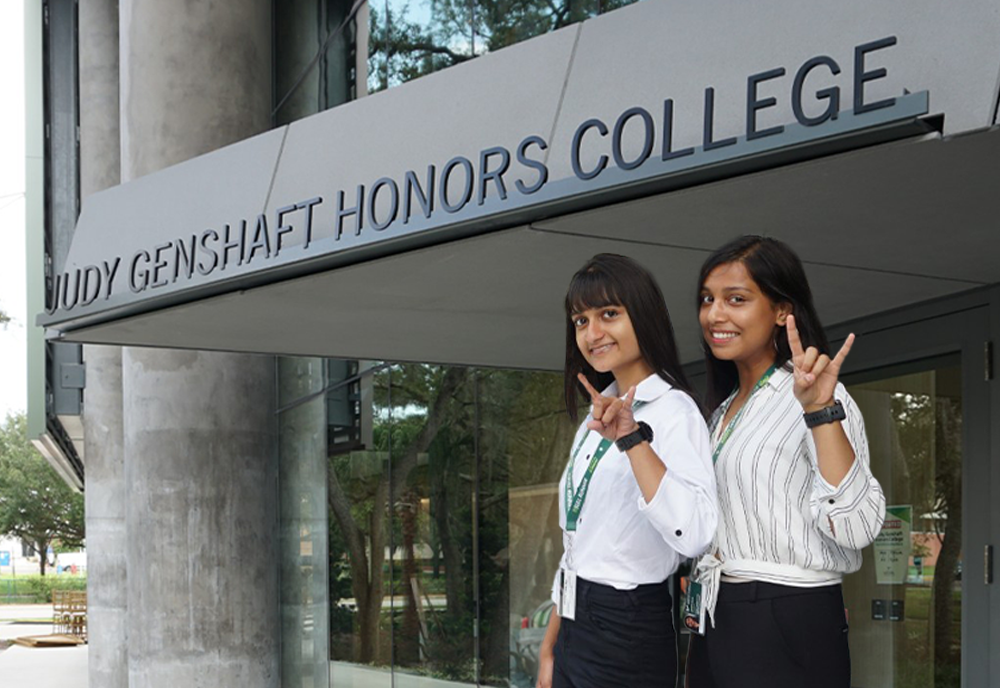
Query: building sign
(606, 156)
(4, 558)
(893, 547)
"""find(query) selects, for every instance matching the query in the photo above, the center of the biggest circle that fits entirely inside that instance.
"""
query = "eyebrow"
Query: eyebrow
(730, 289)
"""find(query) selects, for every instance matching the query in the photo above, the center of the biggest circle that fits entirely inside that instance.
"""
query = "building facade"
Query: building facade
(317, 277)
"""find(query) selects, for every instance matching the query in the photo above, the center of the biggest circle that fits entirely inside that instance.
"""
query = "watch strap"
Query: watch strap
(643, 433)
(825, 415)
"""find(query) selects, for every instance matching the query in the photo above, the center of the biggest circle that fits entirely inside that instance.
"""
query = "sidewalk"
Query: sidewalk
(51, 667)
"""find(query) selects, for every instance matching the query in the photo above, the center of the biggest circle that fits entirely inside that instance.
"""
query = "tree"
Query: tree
(35, 504)
(404, 45)
(4, 319)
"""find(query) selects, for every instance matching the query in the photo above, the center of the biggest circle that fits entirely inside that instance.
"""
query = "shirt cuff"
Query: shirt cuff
(671, 511)
(835, 501)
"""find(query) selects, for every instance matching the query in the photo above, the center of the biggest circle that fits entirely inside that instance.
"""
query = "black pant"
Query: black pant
(620, 639)
(773, 636)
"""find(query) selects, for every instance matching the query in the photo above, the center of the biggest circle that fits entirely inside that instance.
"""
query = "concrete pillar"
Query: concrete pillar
(100, 157)
(200, 440)
(201, 472)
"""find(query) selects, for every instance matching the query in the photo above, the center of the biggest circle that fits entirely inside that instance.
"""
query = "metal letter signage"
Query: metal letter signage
(491, 188)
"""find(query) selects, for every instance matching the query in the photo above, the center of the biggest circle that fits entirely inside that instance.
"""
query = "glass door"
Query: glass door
(918, 608)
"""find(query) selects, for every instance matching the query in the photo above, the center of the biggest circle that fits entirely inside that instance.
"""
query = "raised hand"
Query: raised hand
(816, 374)
(612, 417)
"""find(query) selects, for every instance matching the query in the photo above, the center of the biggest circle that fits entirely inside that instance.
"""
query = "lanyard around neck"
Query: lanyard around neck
(575, 499)
(739, 414)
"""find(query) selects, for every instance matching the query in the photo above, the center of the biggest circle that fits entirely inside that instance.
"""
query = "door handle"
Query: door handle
(988, 564)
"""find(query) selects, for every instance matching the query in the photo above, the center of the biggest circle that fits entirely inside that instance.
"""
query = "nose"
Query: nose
(594, 330)
(715, 312)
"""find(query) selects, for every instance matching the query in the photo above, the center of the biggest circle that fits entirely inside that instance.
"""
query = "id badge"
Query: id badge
(694, 609)
(567, 595)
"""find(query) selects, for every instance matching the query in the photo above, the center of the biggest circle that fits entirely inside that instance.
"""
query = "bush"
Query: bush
(35, 589)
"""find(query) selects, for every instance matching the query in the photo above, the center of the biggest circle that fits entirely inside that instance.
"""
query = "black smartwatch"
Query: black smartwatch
(825, 415)
(643, 434)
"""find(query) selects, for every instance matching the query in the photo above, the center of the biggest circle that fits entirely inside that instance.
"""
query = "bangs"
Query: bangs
(592, 288)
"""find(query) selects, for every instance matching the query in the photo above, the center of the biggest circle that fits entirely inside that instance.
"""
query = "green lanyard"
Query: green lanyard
(574, 501)
(732, 424)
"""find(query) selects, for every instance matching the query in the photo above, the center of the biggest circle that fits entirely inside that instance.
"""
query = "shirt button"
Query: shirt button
(832, 501)
(678, 533)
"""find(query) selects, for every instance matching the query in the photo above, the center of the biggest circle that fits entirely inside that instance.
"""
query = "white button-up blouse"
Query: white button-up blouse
(621, 540)
(780, 521)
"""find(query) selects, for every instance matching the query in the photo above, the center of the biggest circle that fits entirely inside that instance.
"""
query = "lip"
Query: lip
(602, 349)
(722, 336)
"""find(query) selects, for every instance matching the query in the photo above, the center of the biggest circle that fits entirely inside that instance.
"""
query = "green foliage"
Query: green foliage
(35, 504)
(36, 589)
(407, 42)
(4, 319)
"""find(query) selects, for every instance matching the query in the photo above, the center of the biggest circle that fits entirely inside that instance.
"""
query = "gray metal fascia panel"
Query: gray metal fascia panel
(546, 87)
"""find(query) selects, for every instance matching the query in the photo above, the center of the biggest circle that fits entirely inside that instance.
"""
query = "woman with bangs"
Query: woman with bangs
(638, 494)
(797, 498)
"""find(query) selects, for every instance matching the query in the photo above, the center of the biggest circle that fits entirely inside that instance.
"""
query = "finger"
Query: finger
(596, 426)
(630, 397)
(600, 403)
(612, 411)
(808, 360)
(794, 342)
(821, 364)
(589, 387)
(838, 360)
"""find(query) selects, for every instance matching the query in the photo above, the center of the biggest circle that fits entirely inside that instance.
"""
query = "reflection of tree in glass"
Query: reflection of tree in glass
(402, 48)
(948, 503)
(930, 437)
(359, 502)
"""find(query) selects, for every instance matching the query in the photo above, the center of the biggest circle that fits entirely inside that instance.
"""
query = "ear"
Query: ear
(781, 313)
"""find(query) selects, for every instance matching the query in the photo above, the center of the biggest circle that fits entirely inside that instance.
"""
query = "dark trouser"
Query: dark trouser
(620, 639)
(773, 636)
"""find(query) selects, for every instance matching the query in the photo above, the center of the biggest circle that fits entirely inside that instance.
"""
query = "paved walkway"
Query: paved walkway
(48, 667)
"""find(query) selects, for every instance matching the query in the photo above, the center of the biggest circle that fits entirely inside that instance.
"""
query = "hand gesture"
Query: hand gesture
(815, 374)
(612, 417)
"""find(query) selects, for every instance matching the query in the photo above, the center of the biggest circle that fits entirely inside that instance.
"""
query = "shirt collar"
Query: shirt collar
(650, 389)
(778, 378)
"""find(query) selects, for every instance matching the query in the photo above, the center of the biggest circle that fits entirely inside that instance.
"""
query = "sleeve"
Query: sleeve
(685, 508)
(852, 512)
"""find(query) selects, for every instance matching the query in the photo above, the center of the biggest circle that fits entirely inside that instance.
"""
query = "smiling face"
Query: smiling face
(737, 319)
(607, 340)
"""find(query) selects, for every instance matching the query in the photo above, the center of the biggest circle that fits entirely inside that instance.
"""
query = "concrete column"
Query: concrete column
(201, 472)
(100, 157)
(200, 440)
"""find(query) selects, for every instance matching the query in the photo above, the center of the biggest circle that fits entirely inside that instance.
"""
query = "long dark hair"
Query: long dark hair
(608, 279)
(777, 270)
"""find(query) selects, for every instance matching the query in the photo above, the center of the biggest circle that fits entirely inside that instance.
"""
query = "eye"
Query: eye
(705, 299)
(579, 321)
(609, 313)
(736, 299)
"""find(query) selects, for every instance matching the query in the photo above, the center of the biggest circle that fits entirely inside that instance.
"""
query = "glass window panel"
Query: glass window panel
(434, 465)
(525, 437)
(411, 38)
(905, 604)
(314, 64)
(303, 522)
(360, 529)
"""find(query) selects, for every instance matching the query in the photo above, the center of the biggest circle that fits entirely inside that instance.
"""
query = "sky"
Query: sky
(13, 349)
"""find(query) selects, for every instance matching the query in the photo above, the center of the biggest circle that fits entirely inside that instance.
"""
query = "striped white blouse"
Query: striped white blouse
(779, 520)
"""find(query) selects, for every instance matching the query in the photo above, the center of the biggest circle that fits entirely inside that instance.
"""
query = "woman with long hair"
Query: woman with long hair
(638, 494)
(797, 498)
